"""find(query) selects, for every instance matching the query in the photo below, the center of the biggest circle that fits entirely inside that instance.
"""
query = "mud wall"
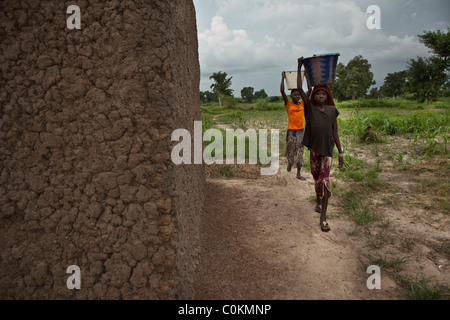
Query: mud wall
(86, 177)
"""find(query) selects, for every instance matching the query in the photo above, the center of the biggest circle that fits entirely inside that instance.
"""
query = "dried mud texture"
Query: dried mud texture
(85, 141)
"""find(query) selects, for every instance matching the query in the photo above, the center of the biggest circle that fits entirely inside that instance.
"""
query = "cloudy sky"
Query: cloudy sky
(255, 40)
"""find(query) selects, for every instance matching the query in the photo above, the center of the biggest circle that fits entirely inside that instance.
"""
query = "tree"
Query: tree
(438, 42)
(393, 84)
(353, 80)
(261, 94)
(338, 87)
(206, 96)
(427, 77)
(248, 94)
(358, 79)
(221, 85)
(374, 94)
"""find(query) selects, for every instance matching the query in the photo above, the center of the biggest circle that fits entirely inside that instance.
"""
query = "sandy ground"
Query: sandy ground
(261, 240)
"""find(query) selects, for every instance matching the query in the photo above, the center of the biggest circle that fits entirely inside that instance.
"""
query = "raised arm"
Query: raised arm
(305, 97)
(283, 94)
(309, 85)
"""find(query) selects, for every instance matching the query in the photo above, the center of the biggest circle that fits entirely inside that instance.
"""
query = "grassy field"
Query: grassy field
(392, 148)
(426, 126)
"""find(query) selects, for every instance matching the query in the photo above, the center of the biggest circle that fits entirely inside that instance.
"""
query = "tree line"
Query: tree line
(221, 90)
(425, 79)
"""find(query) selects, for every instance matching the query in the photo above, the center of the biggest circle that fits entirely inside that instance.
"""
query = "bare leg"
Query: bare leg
(318, 203)
(323, 216)
(299, 176)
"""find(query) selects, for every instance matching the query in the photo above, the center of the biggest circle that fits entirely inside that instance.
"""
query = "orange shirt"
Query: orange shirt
(296, 115)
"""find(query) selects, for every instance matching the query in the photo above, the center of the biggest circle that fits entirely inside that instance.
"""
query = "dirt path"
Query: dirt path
(261, 240)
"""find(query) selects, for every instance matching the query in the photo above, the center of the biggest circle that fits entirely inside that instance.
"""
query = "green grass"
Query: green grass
(355, 202)
(207, 122)
(359, 170)
(391, 103)
(428, 131)
(236, 118)
(246, 116)
(265, 105)
(418, 288)
(353, 206)
(386, 265)
(422, 289)
(422, 123)
(216, 110)
(221, 148)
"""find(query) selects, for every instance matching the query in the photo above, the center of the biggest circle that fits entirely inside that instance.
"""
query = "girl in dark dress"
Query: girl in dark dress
(321, 135)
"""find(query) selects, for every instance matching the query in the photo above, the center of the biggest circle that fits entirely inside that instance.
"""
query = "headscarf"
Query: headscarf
(330, 100)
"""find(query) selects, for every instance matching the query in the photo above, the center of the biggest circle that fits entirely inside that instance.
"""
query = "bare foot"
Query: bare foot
(325, 227)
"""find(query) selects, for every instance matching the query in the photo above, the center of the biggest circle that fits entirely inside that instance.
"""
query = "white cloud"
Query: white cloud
(221, 47)
(219, 36)
(267, 36)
